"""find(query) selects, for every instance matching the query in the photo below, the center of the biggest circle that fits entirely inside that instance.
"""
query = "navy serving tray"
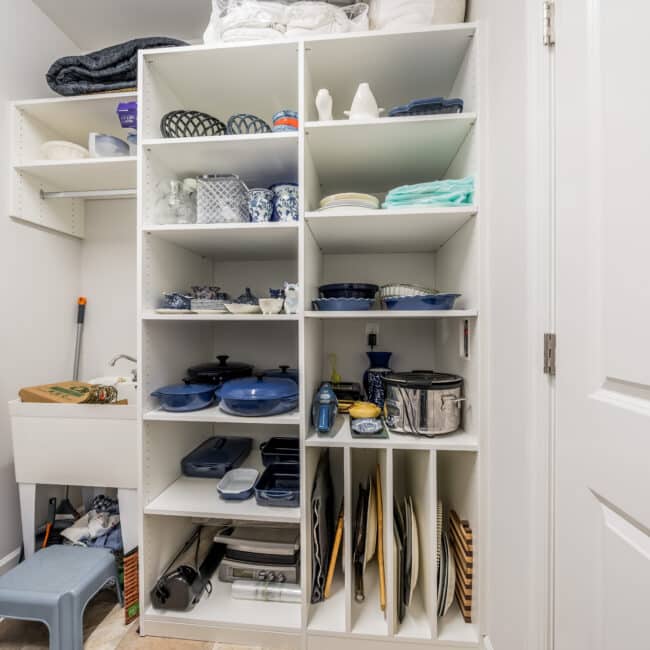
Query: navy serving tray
(428, 106)
(216, 456)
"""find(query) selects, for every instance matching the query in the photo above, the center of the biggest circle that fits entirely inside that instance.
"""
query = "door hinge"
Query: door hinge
(549, 23)
(550, 344)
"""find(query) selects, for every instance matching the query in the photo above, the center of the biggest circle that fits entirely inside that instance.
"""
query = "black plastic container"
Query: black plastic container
(216, 456)
(279, 486)
(280, 450)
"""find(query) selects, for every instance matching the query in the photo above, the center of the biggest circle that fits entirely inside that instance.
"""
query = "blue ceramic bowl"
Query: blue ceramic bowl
(348, 290)
(439, 301)
(285, 113)
(343, 304)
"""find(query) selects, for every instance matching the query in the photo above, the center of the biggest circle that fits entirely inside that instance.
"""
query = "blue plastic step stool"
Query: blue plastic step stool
(54, 586)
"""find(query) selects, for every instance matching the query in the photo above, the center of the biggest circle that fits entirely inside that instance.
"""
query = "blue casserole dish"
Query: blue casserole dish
(438, 301)
(279, 486)
(216, 456)
(185, 397)
(258, 396)
(343, 304)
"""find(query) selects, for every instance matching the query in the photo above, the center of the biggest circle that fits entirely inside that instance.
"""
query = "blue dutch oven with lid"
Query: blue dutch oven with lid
(258, 396)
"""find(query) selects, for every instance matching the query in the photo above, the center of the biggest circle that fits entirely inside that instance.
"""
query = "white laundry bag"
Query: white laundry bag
(310, 17)
(394, 14)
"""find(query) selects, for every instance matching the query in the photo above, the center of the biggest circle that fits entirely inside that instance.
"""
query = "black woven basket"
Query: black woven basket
(190, 124)
(244, 123)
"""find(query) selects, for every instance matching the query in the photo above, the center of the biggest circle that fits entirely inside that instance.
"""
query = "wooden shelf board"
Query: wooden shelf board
(233, 241)
(387, 314)
(198, 497)
(219, 608)
(259, 160)
(404, 230)
(217, 318)
(83, 175)
(341, 436)
(329, 615)
(351, 156)
(215, 415)
(73, 118)
(453, 629)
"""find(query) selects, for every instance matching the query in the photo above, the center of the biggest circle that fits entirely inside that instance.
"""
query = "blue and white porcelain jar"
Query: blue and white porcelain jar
(285, 201)
(260, 204)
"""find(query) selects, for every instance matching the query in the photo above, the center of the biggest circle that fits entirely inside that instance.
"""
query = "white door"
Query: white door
(602, 562)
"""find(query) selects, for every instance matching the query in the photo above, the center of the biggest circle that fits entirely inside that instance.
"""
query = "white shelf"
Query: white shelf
(203, 318)
(401, 230)
(329, 615)
(259, 160)
(391, 63)
(197, 497)
(416, 623)
(372, 314)
(219, 609)
(215, 415)
(453, 629)
(341, 436)
(379, 155)
(73, 118)
(233, 241)
(84, 175)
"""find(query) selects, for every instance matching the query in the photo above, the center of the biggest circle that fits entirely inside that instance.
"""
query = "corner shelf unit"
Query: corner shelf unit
(52, 193)
(438, 247)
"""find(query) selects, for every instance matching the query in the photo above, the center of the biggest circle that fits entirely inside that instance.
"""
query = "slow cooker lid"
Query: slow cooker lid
(424, 379)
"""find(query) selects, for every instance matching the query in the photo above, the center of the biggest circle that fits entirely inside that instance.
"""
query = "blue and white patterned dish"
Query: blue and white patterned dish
(285, 201)
(260, 204)
(343, 304)
(367, 425)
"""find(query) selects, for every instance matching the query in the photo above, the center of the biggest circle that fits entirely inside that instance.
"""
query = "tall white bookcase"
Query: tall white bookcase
(431, 247)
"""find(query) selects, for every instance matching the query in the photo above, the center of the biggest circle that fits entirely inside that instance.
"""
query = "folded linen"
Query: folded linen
(437, 193)
(113, 68)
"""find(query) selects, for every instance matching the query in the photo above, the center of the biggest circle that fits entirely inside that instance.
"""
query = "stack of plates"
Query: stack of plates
(349, 201)
(446, 577)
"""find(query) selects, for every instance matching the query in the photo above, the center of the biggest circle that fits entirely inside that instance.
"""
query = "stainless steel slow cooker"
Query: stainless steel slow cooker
(423, 403)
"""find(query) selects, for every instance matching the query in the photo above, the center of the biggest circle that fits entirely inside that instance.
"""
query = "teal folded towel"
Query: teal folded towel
(435, 194)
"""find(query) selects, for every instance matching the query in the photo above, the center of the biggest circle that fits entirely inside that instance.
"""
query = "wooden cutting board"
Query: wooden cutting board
(462, 543)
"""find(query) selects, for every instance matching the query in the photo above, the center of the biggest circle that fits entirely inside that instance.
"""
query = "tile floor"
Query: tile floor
(104, 629)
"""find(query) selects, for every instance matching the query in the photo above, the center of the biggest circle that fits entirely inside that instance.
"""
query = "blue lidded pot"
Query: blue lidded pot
(185, 397)
(258, 396)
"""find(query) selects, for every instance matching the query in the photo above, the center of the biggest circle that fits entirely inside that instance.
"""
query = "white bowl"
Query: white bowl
(62, 150)
(236, 308)
(271, 305)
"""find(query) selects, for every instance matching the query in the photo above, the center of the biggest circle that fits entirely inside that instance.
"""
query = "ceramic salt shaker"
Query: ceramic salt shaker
(324, 105)
(364, 105)
(291, 297)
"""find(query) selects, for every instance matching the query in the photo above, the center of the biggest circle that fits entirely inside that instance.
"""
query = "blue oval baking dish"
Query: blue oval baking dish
(438, 301)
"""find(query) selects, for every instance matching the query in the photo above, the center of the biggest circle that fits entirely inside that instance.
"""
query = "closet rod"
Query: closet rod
(90, 194)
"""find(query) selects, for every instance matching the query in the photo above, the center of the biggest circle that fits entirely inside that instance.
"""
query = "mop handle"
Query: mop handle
(81, 314)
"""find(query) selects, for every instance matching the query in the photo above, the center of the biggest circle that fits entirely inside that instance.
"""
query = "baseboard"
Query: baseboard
(9, 561)
(487, 644)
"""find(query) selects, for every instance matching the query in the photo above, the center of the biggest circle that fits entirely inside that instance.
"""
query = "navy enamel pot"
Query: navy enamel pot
(185, 397)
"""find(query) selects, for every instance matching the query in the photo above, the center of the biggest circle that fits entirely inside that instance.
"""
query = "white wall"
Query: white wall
(39, 274)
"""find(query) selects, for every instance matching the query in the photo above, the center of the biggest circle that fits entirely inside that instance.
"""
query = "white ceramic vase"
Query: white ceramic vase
(364, 105)
(324, 105)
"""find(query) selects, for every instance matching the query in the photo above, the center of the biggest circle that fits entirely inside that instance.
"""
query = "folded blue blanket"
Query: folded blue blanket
(437, 193)
(113, 68)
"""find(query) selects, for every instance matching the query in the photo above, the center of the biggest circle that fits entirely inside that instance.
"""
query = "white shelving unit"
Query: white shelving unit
(432, 247)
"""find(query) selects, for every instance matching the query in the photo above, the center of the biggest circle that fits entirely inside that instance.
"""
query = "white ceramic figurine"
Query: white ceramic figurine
(324, 105)
(364, 105)
(291, 298)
